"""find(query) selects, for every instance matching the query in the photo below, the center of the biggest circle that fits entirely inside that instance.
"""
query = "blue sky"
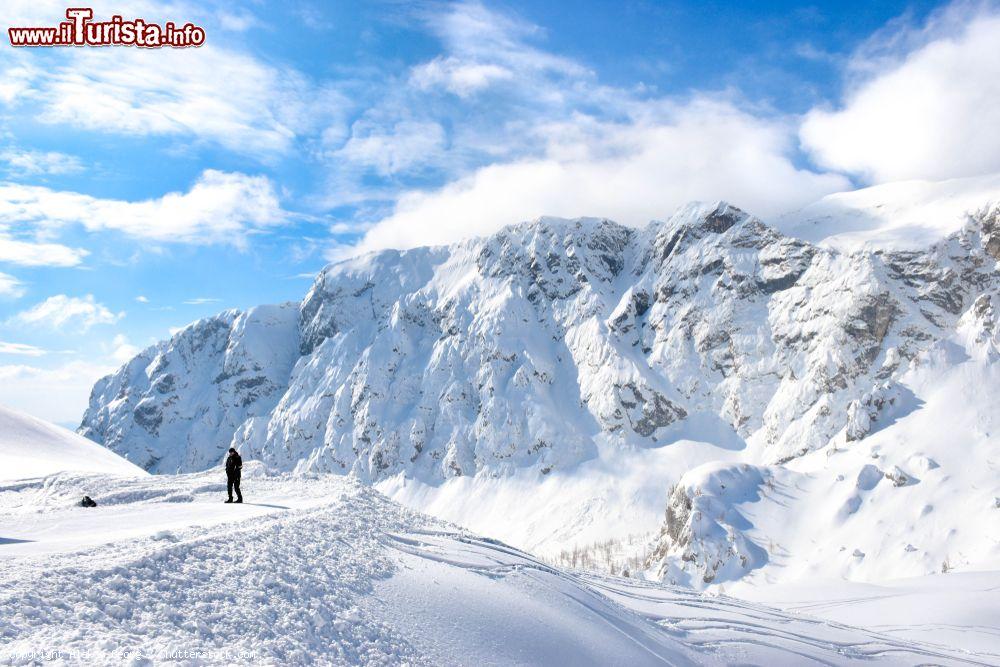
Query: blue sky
(142, 190)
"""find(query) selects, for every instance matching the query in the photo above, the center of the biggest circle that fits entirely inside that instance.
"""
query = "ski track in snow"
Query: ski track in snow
(320, 569)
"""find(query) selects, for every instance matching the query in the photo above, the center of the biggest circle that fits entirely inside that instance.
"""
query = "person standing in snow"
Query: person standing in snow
(234, 468)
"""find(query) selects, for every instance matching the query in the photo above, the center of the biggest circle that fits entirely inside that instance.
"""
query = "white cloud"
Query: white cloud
(460, 78)
(10, 287)
(928, 113)
(142, 299)
(32, 163)
(215, 95)
(16, 75)
(492, 59)
(122, 350)
(21, 349)
(219, 208)
(391, 150)
(312, 17)
(485, 47)
(58, 394)
(201, 300)
(60, 311)
(210, 94)
(27, 253)
(630, 172)
(541, 136)
(236, 22)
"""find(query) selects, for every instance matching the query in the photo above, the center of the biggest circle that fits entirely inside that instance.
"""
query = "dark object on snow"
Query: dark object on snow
(88, 502)
(234, 468)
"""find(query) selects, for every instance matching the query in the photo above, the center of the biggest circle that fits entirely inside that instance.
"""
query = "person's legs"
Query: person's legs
(229, 487)
(236, 485)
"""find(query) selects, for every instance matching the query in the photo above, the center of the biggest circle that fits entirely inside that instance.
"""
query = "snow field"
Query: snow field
(319, 569)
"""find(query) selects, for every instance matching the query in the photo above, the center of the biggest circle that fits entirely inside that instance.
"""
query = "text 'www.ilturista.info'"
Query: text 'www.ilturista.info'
(81, 30)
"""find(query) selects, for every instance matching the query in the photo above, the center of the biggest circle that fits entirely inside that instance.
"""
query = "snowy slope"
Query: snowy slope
(30, 447)
(959, 609)
(908, 215)
(322, 569)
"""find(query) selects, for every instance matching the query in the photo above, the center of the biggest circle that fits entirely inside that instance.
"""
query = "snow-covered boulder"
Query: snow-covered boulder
(704, 536)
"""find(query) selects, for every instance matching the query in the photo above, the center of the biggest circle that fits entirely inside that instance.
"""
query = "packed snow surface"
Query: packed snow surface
(30, 447)
(321, 569)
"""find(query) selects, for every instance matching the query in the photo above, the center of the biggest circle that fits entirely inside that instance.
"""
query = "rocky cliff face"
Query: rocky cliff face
(520, 350)
(908, 486)
(175, 407)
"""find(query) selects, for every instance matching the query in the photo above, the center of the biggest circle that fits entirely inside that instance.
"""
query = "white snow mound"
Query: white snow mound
(30, 447)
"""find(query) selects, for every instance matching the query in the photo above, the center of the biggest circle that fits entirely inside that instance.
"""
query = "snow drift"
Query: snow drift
(30, 447)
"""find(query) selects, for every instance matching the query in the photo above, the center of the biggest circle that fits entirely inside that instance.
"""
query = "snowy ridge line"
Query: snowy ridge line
(32, 448)
(906, 215)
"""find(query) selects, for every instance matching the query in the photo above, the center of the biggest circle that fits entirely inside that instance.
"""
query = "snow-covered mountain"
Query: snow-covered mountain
(553, 383)
(30, 447)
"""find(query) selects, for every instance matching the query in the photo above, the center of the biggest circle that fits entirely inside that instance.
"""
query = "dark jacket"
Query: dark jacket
(234, 464)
